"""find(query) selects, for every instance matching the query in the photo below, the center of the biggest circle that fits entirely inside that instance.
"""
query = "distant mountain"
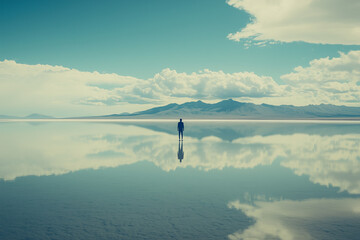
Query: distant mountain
(230, 109)
(31, 116)
(37, 116)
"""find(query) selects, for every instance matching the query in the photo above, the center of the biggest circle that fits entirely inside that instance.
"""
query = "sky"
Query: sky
(80, 58)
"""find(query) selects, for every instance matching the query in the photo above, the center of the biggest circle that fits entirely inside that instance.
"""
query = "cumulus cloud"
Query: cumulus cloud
(326, 80)
(26, 89)
(215, 85)
(312, 21)
(45, 87)
(329, 80)
(289, 219)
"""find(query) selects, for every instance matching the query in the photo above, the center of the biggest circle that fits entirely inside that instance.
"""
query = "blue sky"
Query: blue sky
(142, 38)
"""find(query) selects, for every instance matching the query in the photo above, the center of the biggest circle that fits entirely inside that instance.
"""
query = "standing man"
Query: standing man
(181, 129)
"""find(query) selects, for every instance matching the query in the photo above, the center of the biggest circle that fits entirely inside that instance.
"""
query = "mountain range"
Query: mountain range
(31, 116)
(230, 109)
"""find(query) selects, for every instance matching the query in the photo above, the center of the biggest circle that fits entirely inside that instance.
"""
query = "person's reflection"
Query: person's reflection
(181, 151)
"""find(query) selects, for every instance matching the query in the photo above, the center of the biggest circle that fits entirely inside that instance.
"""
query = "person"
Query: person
(181, 129)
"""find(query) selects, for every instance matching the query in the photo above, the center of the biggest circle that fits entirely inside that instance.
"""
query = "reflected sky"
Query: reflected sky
(283, 178)
(307, 219)
(327, 156)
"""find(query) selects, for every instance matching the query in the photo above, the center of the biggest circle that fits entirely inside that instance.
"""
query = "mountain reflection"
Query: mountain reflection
(327, 153)
(229, 131)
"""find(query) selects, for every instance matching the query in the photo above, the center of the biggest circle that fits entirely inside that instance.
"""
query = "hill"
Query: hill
(230, 109)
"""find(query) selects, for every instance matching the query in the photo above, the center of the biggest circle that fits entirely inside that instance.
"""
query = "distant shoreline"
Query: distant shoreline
(317, 120)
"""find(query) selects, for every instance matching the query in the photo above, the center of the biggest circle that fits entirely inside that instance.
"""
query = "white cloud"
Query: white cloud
(54, 89)
(312, 21)
(326, 80)
(289, 219)
(61, 91)
(215, 85)
(335, 80)
(51, 89)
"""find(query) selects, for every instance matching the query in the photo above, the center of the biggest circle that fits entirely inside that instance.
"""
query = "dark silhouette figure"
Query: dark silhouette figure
(181, 151)
(181, 129)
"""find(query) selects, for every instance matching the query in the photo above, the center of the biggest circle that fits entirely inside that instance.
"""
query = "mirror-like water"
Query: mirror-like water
(135, 180)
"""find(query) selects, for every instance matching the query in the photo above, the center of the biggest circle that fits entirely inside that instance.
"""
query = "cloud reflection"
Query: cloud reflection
(308, 219)
(60, 148)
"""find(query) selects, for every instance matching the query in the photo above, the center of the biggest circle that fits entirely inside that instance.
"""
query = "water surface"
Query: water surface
(135, 180)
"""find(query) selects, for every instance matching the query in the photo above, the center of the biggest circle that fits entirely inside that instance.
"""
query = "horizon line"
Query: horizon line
(334, 121)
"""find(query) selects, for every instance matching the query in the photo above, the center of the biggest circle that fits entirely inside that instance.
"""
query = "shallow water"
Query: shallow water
(235, 180)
